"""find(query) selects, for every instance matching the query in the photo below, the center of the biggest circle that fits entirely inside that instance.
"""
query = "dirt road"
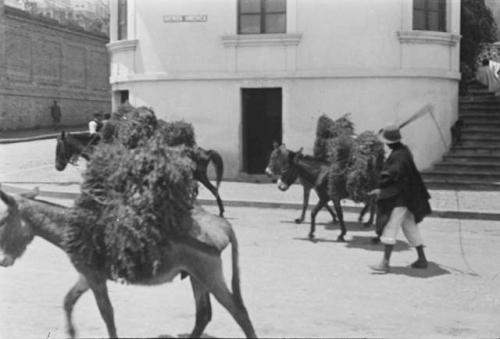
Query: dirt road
(292, 287)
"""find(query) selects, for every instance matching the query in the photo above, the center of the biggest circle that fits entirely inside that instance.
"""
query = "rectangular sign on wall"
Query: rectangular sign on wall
(185, 18)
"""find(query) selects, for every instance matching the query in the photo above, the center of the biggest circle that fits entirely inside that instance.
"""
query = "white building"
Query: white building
(247, 72)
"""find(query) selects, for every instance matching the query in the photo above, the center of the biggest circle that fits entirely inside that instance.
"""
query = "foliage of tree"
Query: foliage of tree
(477, 28)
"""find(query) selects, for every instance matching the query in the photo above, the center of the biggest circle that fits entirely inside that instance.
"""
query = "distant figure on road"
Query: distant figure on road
(403, 199)
(55, 112)
(95, 125)
(487, 75)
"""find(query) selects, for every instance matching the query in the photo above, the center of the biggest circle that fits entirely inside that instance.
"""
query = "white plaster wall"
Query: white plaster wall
(185, 46)
(345, 56)
(214, 108)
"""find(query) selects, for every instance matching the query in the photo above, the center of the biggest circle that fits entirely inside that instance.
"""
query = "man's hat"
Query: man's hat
(390, 134)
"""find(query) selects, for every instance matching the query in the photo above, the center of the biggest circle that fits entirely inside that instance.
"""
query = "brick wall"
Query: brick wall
(42, 61)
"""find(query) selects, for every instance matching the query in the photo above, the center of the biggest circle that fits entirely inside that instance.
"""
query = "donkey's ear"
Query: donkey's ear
(283, 147)
(275, 145)
(7, 199)
(31, 194)
(63, 135)
(300, 150)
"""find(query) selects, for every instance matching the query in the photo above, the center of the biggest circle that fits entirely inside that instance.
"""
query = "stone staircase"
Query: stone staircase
(473, 164)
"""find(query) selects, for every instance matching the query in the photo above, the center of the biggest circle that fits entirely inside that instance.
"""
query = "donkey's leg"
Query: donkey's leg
(209, 273)
(373, 207)
(104, 304)
(203, 308)
(332, 213)
(305, 202)
(70, 300)
(204, 180)
(340, 215)
(363, 211)
(321, 203)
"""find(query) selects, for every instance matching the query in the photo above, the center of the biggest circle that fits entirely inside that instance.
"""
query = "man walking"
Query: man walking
(55, 112)
(402, 198)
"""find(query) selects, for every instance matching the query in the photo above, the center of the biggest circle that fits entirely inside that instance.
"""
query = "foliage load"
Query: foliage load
(178, 133)
(328, 129)
(355, 161)
(366, 164)
(137, 194)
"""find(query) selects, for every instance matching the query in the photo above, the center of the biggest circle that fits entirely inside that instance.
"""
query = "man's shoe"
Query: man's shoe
(382, 267)
(422, 264)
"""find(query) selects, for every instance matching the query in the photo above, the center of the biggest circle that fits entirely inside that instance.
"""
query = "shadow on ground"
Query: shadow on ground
(434, 270)
(360, 242)
(185, 335)
(366, 243)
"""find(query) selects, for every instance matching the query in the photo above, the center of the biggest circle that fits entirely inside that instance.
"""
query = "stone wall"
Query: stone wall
(42, 61)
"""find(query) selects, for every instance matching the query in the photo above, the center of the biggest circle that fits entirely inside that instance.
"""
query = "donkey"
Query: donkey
(71, 145)
(198, 255)
(307, 168)
(278, 164)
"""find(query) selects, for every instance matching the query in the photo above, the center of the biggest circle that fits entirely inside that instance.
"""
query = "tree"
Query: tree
(477, 27)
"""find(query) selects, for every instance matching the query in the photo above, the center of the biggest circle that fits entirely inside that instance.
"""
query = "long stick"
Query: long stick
(421, 112)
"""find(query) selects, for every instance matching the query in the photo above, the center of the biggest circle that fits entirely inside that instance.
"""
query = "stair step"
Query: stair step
(455, 156)
(484, 102)
(484, 128)
(469, 118)
(474, 164)
(492, 134)
(481, 97)
(482, 149)
(486, 167)
(459, 151)
(480, 137)
(481, 123)
(474, 174)
(464, 185)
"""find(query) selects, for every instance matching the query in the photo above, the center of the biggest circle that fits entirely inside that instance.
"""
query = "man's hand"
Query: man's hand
(375, 192)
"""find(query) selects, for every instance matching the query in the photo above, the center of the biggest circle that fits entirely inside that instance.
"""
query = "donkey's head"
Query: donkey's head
(290, 171)
(15, 235)
(64, 151)
(277, 160)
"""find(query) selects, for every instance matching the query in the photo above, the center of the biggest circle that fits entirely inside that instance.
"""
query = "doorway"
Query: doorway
(261, 126)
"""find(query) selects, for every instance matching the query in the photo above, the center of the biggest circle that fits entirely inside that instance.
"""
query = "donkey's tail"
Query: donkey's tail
(216, 159)
(235, 283)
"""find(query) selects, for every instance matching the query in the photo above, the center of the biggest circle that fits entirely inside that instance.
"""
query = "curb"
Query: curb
(41, 136)
(26, 139)
(266, 204)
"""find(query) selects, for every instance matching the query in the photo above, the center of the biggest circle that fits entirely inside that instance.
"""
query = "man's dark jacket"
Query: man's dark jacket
(401, 185)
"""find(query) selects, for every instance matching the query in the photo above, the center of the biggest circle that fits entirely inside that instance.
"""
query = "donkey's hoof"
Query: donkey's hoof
(299, 220)
(311, 236)
(340, 238)
(367, 224)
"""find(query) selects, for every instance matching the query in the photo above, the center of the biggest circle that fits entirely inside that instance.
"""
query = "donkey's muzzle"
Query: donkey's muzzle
(282, 186)
(269, 172)
(6, 260)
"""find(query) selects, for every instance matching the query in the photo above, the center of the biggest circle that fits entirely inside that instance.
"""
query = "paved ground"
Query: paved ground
(30, 164)
(292, 287)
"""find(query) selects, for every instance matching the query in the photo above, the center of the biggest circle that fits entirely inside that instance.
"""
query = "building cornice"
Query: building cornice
(310, 74)
(428, 37)
(291, 39)
(122, 46)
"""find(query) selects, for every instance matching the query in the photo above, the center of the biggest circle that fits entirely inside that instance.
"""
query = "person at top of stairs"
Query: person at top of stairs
(487, 74)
